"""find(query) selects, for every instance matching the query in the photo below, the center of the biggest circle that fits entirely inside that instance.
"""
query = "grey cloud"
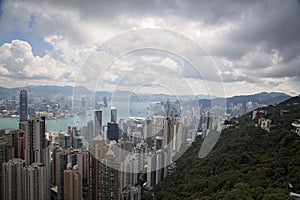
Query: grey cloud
(265, 25)
(290, 69)
(269, 24)
(211, 12)
(108, 10)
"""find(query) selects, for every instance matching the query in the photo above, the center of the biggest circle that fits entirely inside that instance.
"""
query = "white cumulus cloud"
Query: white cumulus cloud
(17, 62)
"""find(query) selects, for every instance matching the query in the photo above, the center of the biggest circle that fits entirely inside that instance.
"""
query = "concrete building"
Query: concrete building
(258, 114)
(94, 182)
(140, 153)
(105, 177)
(265, 124)
(16, 140)
(296, 127)
(76, 140)
(151, 170)
(158, 143)
(110, 177)
(177, 135)
(35, 140)
(168, 132)
(157, 125)
(147, 129)
(36, 182)
(85, 160)
(6, 153)
(60, 161)
(72, 183)
(61, 140)
(129, 171)
(90, 131)
(157, 164)
(97, 151)
(12, 179)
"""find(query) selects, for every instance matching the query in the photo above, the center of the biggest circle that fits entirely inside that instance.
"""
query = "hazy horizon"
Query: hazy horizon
(158, 93)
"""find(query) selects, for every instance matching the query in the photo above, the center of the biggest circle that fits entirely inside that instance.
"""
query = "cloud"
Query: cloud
(66, 52)
(17, 62)
(170, 63)
(248, 41)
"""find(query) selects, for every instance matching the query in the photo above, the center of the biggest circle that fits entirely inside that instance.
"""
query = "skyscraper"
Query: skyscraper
(161, 165)
(94, 177)
(6, 153)
(76, 138)
(151, 170)
(12, 176)
(23, 107)
(61, 161)
(105, 177)
(98, 122)
(82, 161)
(147, 129)
(157, 164)
(113, 114)
(64, 159)
(157, 125)
(112, 131)
(35, 140)
(178, 139)
(90, 131)
(36, 182)
(72, 183)
(168, 132)
(158, 143)
(129, 171)
(17, 142)
(110, 177)
(69, 133)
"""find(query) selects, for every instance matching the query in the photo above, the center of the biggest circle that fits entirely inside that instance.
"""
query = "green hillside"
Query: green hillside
(246, 163)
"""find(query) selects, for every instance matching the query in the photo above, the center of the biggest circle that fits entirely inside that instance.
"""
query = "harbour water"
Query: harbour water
(124, 111)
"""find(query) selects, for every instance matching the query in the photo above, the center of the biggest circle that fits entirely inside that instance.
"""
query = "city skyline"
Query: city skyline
(149, 99)
(252, 50)
(120, 159)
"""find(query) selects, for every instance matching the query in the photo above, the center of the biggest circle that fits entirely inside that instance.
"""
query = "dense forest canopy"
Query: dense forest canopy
(247, 162)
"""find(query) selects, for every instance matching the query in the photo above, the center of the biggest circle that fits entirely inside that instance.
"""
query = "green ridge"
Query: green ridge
(246, 163)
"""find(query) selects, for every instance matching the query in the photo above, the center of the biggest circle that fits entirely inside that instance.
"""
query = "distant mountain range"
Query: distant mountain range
(263, 98)
(204, 100)
(43, 91)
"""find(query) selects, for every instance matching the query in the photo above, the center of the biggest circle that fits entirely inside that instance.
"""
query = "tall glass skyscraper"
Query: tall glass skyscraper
(98, 122)
(23, 106)
(113, 114)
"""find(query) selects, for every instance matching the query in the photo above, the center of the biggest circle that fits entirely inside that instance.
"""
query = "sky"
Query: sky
(221, 48)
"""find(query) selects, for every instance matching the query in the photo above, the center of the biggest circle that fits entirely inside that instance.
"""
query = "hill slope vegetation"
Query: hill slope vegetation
(247, 162)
